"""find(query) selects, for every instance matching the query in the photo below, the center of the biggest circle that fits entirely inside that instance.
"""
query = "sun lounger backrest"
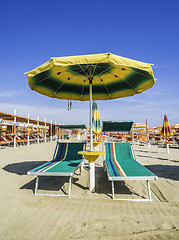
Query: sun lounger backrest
(66, 159)
(121, 150)
(68, 151)
(120, 161)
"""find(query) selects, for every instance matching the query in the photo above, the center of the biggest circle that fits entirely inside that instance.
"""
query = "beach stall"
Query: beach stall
(28, 135)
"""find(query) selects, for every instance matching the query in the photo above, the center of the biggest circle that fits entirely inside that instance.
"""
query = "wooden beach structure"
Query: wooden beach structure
(38, 126)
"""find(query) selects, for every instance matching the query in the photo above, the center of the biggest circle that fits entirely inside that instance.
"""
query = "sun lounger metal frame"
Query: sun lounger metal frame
(59, 174)
(70, 175)
(131, 178)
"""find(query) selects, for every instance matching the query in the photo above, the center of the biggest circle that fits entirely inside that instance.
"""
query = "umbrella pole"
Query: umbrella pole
(168, 151)
(91, 164)
(91, 127)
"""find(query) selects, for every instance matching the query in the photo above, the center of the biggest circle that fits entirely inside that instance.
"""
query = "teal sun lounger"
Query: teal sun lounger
(122, 166)
(65, 163)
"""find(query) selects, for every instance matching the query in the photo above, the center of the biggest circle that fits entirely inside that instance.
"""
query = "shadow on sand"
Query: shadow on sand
(47, 183)
(55, 183)
(165, 171)
(22, 168)
(103, 186)
(51, 184)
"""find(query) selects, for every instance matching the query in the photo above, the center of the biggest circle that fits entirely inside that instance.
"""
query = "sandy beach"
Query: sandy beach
(87, 215)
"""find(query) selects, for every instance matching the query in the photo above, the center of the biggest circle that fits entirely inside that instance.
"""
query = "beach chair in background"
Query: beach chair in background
(3, 142)
(9, 139)
(121, 165)
(143, 139)
(65, 163)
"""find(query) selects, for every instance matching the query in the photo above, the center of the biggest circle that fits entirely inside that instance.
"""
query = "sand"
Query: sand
(87, 215)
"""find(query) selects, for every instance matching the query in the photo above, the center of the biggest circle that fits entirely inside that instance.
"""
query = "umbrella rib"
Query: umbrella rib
(94, 69)
(44, 80)
(83, 70)
(104, 71)
(131, 86)
(127, 83)
(104, 85)
(107, 90)
(75, 72)
(136, 70)
(81, 95)
(41, 80)
(58, 88)
(47, 78)
(99, 75)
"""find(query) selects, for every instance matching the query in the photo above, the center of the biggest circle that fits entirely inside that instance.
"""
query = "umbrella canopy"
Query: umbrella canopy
(96, 119)
(166, 129)
(112, 77)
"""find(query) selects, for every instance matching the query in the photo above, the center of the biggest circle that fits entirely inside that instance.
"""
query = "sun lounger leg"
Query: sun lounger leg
(134, 152)
(53, 195)
(69, 192)
(148, 199)
(81, 167)
(149, 192)
(36, 184)
(113, 190)
(92, 176)
(168, 151)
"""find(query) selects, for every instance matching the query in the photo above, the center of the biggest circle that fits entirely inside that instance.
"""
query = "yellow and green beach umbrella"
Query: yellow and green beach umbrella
(112, 77)
(86, 77)
(96, 119)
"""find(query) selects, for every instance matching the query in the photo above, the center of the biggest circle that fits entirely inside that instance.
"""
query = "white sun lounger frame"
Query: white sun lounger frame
(145, 178)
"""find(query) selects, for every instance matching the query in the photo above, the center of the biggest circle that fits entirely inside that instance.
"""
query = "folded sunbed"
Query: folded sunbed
(65, 163)
(3, 142)
(121, 166)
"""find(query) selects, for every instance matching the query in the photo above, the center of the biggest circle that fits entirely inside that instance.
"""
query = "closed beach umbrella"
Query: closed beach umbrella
(91, 77)
(166, 130)
(96, 119)
(147, 132)
(147, 127)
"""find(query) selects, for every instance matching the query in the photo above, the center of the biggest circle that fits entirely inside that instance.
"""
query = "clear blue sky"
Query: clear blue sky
(31, 32)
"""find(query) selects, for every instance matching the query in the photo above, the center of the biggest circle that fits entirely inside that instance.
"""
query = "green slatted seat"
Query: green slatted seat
(121, 166)
(65, 162)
